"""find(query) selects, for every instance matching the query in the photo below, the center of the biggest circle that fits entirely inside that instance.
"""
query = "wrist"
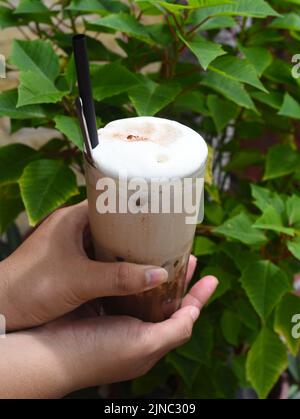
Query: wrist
(31, 367)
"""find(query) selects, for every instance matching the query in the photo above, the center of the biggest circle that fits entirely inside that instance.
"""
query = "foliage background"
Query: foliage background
(225, 69)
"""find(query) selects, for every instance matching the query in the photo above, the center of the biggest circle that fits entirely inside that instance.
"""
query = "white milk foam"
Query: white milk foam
(149, 147)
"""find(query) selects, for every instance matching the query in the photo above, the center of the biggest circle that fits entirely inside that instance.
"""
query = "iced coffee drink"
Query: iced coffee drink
(149, 215)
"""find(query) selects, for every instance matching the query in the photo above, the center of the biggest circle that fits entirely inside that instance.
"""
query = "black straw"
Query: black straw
(84, 130)
(84, 86)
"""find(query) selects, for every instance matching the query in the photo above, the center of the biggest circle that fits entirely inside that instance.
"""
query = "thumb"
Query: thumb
(103, 279)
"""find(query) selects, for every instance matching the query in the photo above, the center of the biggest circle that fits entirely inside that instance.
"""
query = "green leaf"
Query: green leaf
(204, 50)
(194, 101)
(87, 6)
(264, 198)
(112, 79)
(266, 360)
(236, 69)
(279, 71)
(264, 284)
(289, 21)
(203, 246)
(272, 99)
(290, 107)
(293, 210)
(231, 89)
(259, 57)
(240, 227)
(248, 8)
(36, 56)
(126, 23)
(271, 219)
(7, 18)
(199, 347)
(70, 127)
(148, 97)
(222, 111)
(281, 160)
(45, 185)
(285, 311)
(218, 22)
(186, 369)
(35, 88)
(230, 326)
(242, 159)
(13, 159)
(31, 6)
(8, 107)
(294, 247)
(11, 205)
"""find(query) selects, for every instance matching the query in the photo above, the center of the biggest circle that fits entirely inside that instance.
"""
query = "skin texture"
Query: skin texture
(59, 343)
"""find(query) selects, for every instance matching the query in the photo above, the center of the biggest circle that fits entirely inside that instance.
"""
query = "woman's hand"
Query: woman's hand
(82, 350)
(50, 274)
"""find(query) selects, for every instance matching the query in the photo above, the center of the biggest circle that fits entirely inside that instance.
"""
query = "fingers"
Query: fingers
(191, 269)
(201, 292)
(177, 330)
(118, 278)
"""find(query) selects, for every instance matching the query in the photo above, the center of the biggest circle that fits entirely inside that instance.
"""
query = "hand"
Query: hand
(82, 350)
(50, 274)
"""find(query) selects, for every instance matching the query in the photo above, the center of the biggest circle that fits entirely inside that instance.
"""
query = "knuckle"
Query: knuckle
(122, 278)
(186, 332)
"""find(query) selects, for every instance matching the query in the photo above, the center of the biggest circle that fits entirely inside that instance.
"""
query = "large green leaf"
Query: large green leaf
(264, 198)
(7, 18)
(148, 97)
(231, 89)
(281, 161)
(236, 69)
(240, 227)
(293, 210)
(8, 107)
(126, 23)
(272, 99)
(45, 185)
(248, 8)
(31, 7)
(203, 246)
(222, 111)
(13, 159)
(294, 247)
(186, 368)
(264, 284)
(11, 205)
(271, 219)
(230, 326)
(70, 127)
(266, 360)
(37, 88)
(259, 57)
(112, 79)
(289, 21)
(36, 56)
(204, 50)
(86, 6)
(225, 280)
(192, 100)
(286, 310)
(290, 107)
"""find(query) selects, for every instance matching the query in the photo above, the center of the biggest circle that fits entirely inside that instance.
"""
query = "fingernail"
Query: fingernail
(194, 311)
(194, 259)
(155, 276)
